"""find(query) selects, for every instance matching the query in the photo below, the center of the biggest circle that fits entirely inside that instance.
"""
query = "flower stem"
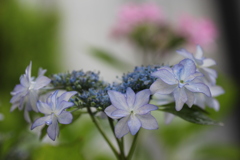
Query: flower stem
(130, 154)
(103, 134)
(119, 142)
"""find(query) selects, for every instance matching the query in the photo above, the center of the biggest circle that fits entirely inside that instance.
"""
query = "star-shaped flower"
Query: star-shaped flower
(182, 81)
(26, 93)
(55, 112)
(133, 111)
(202, 63)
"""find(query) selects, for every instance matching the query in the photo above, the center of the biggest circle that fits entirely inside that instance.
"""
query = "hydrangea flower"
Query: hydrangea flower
(182, 81)
(26, 93)
(202, 63)
(133, 111)
(197, 31)
(55, 112)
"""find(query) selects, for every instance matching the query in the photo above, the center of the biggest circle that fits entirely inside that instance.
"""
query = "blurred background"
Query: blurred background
(62, 36)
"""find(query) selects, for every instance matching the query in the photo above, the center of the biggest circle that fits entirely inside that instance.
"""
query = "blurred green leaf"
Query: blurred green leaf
(106, 57)
(194, 114)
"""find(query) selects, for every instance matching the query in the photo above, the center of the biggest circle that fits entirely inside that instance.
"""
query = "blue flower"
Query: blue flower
(133, 111)
(182, 80)
(54, 110)
(202, 63)
(26, 93)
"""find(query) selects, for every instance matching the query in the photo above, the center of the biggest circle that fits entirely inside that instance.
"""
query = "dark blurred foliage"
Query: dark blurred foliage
(26, 34)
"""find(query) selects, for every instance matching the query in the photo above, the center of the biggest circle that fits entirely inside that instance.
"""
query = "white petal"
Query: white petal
(121, 127)
(41, 82)
(65, 117)
(120, 113)
(118, 100)
(142, 98)
(199, 52)
(130, 96)
(146, 108)
(185, 53)
(161, 99)
(168, 117)
(53, 129)
(216, 90)
(162, 87)
(199, 87)
(40, 121)
(190, 98)
(62, 106)
(109, 110)
(213, 103)
(134, 124)
(66, 96)
(180, 98)
(200, 100)
(148, 121)
(166, 76)
(208, 62)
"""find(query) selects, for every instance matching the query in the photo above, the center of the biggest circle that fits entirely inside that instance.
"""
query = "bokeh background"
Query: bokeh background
(62, 36)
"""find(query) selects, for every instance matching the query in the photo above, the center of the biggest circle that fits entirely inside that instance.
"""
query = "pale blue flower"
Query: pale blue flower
(182, 81)
(55, 112)
(202, 63)
(26, 93)
(133, 111)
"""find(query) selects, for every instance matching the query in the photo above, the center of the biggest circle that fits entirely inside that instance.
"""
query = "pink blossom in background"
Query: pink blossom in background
(197, 31)
(132, 15)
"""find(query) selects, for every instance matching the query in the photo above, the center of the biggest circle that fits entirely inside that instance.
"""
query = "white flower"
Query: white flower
(26, 93)
(133, 111)
(202, 63)
(54, 110)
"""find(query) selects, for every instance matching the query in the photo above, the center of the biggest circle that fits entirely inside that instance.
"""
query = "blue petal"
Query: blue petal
(118, 100)
(185, 53)
(41, 121)
(189, 68)
(166, 76)
(66, 96)
(190, 98)
(146, 109)
(142, 98)
(44, 107)
(120, 113)
(134, 124)
(121, 127)
(130, 97)
(199, 87)
(62, 106)
(53, 129)
(65, 117)
(148, 121)
(109, 110)
(161, 87)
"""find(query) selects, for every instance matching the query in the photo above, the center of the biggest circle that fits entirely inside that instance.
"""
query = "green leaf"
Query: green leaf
(193, 114)
(107, 58)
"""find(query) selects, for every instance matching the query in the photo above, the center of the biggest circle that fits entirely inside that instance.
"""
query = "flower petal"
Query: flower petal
(120, 113)
(161, 87)
(130, 96)
(41, 82)
(208, 62)
(190, 98)
(66, 96)
(118, 100)
(63, 105)
(148, 121)
(168, 117)
(165, 75)
(199, 87)
(142, 98)
(53, 129)
(134, 124)
(185, 53)
(109, 110)
(180, 97)
(65, 117)
(121, 127)
(40, 121)
(199, 52)
(213, 103)
(189, 68)
(44, 108)
(146, 109)
(161, 99)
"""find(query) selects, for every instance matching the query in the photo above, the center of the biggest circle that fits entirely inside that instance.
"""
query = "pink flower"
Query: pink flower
(131, 15)
(197, 31)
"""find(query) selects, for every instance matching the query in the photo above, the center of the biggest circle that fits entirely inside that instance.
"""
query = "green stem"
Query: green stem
(130, 154)
(103, 134)
(119, 142)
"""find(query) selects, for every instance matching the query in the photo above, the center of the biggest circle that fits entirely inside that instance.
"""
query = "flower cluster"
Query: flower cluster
(145, 26)
(130, 101)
